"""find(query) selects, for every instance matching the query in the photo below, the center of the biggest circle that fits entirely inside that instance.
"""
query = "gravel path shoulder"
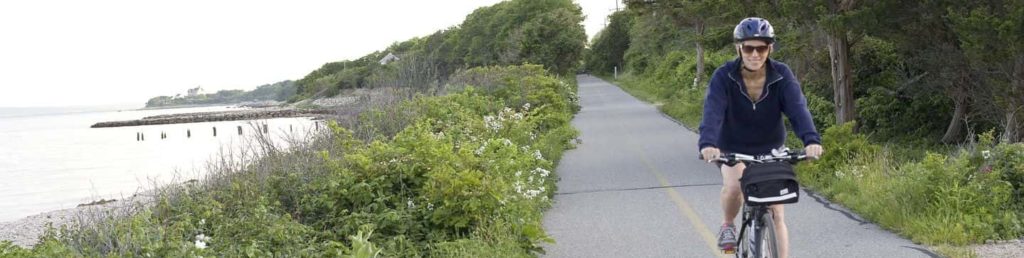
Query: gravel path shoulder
(1012, 248)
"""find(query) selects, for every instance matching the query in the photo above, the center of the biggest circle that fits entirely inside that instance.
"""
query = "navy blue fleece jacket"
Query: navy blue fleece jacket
(735, 124)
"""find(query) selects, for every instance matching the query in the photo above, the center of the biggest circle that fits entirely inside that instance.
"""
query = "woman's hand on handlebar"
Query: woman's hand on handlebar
(814, 151)
(710, 154)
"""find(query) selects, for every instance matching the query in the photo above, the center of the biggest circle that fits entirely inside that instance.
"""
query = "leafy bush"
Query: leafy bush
(518, 32)
(941, 199)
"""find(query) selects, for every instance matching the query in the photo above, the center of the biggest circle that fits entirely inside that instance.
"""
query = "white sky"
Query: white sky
(73, 52)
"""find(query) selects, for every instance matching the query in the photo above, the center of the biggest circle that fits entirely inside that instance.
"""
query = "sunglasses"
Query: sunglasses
(750, 49)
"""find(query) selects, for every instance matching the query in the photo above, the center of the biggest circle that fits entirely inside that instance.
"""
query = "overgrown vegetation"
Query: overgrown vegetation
(909, 156)
(467, 177)
(547, 33)
(280, 91)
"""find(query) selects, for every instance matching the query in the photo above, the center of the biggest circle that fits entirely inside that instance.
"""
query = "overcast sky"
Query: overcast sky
(73, 52)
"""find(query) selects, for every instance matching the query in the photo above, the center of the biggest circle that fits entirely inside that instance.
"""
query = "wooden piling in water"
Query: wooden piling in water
(214, 131)
(137, 136)
(265, 129)
(239, 130)
(188, 132)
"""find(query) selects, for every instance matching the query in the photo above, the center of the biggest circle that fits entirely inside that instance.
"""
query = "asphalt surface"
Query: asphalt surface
(634, 188)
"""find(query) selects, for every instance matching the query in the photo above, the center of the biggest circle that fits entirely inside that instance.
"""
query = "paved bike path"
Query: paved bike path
(634, 188)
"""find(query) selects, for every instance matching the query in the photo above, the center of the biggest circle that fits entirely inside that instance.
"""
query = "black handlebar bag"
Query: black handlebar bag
(770, 183)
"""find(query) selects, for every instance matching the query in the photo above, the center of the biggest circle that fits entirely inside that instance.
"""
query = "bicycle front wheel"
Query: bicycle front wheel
(769, 246)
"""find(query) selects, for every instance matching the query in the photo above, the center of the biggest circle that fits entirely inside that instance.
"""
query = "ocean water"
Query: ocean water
(50, 159)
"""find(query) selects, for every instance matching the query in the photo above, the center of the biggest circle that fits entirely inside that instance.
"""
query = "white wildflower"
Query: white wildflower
(537, 155)
(480, 151)
(430, 206)
(202, 222)
(439, 135)
(507, 142)
(526, 106)
(531, 193)
(986, 154)
(517, 116)
(542, 172)
(519, 174)
(201, 240)
(411, 204)
(492, 123)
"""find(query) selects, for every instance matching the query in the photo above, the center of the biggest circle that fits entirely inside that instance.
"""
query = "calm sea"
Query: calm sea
(50, 159)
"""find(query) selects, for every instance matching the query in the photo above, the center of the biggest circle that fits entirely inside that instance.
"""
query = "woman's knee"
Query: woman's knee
(731, 188)
(731, 179)
(779, 213)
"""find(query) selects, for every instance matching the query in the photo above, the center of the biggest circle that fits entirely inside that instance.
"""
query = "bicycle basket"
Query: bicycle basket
(770, 183)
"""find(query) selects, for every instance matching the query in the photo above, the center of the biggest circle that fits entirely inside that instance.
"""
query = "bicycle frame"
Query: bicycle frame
(757, 216)
(750, 243)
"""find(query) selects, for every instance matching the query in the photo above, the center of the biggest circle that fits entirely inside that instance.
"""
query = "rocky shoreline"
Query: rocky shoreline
(216, 116)
(25, 232)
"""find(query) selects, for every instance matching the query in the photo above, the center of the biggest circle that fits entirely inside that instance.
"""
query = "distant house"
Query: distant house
(389, 58)
(195, 91)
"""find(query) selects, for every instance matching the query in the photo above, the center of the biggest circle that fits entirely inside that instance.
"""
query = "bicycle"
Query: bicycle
(767, 180)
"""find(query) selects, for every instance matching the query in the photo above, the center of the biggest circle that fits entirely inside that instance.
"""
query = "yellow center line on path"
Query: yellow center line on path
(684, 207)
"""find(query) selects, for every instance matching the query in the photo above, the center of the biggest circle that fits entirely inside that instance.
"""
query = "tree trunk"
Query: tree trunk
(1010, 133)
(955, 124)
(1014, 125)
(842, 83)
(700, 55)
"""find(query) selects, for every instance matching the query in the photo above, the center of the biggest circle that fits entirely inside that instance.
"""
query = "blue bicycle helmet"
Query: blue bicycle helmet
(754, 28)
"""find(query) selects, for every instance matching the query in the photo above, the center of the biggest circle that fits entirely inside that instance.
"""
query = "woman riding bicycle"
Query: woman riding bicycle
(743, 110)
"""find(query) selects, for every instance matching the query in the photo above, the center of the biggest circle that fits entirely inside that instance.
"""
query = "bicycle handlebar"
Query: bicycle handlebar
(733, 158)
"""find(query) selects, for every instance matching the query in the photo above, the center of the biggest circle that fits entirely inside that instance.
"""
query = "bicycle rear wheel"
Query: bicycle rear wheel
(768, 246)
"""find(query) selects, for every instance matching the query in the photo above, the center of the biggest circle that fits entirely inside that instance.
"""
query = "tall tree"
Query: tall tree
(696, 14)
(934, 59)
(609, 46)
(842, 21)
(992, 36)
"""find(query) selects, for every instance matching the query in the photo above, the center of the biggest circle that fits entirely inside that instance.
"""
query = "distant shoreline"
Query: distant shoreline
(183, 106)
(216, 116)
(257, 104)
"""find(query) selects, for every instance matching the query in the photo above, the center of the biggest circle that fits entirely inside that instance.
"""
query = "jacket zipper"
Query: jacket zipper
(744, 92)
